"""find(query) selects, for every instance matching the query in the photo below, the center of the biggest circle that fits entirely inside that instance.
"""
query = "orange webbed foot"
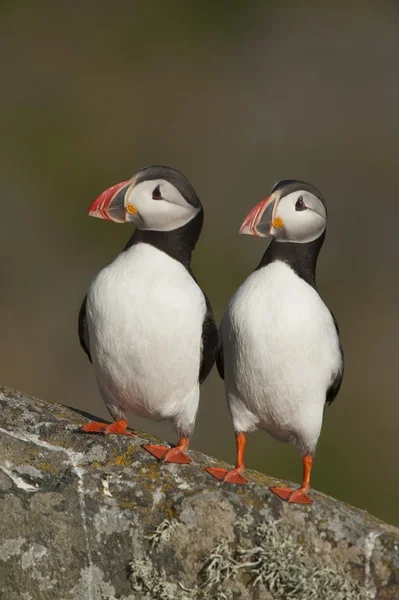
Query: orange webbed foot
(117, 427)
(157, 451)
(233, 476)
(172, 455)
(177, 455)
(94, 427)
(300, 497)
(217, 472)
(293, 496)
(283, 493)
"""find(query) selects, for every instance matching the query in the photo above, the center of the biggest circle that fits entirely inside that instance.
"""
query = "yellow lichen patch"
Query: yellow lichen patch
(95, 464)
(152, 471)
(127, 505)
(259, 478)
(48, 468)
(125, 459)
(60, 444)
(253, 501)
(169, 510)
(63, 414)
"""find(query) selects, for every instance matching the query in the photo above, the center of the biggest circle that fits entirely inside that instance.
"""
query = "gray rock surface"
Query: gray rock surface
(93, 517)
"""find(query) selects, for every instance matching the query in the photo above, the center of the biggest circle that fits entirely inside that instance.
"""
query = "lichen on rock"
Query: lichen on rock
(91, 517)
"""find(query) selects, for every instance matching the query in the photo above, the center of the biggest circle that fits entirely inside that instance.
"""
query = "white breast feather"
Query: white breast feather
(281, 350)
(145, 315)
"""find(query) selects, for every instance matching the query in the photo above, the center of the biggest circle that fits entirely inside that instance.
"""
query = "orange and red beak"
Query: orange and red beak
(110, 204)
(261, 219)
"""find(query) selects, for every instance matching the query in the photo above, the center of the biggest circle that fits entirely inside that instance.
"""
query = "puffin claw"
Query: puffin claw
(177, 455)
(283, 493)
(292, 496)
(217, 472)
(172, 455)
(117, 427)
(158, 451)
(300, 497)
(233, 476)
(93, 427)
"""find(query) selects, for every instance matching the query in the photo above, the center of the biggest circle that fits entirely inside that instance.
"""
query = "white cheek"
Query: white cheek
(159, 215)
(299, 226)
(304, 226)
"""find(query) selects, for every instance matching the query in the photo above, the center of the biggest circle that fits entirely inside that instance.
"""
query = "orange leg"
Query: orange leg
(119, 427)
(299, 496)
(173, 455)
(235, 475)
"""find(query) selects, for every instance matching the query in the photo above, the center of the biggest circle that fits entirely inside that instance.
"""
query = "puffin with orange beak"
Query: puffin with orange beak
(145, 323)
(280, 354)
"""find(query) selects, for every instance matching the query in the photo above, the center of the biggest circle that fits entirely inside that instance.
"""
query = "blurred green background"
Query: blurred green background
(236, 95)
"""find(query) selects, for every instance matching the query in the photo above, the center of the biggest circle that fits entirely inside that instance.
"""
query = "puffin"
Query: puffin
(145, 323)
(280, 354)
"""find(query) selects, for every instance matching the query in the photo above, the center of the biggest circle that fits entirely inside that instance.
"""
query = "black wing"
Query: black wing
(83, 329)
(220, 360)
(210, 342)
(337, 378)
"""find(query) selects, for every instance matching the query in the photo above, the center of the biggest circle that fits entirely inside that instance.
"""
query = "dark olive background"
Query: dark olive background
(236, 95)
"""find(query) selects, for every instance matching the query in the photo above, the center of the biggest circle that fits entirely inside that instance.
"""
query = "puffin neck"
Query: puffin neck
(178, 243)
(302, 258)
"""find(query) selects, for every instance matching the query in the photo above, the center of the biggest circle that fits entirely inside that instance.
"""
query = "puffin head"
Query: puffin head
(294, 211)
(156, 198)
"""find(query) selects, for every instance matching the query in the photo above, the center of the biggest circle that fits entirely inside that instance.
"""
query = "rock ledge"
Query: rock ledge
(91, 517)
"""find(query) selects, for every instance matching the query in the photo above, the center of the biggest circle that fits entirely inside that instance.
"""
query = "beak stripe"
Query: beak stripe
(100, 207)
(261, 219)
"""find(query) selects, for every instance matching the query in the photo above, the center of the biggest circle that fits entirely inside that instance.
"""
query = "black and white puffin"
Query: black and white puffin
(145, 323)
(280, 353)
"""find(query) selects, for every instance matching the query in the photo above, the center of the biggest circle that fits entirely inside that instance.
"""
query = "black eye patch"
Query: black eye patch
(156, 194)
(300, 204)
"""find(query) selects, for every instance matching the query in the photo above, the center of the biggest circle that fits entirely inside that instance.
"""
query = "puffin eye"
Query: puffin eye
(156, 194)
(299, 204)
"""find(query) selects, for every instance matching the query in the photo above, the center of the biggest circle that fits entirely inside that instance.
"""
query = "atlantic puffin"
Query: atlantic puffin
(145, 323)
(280, 353)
